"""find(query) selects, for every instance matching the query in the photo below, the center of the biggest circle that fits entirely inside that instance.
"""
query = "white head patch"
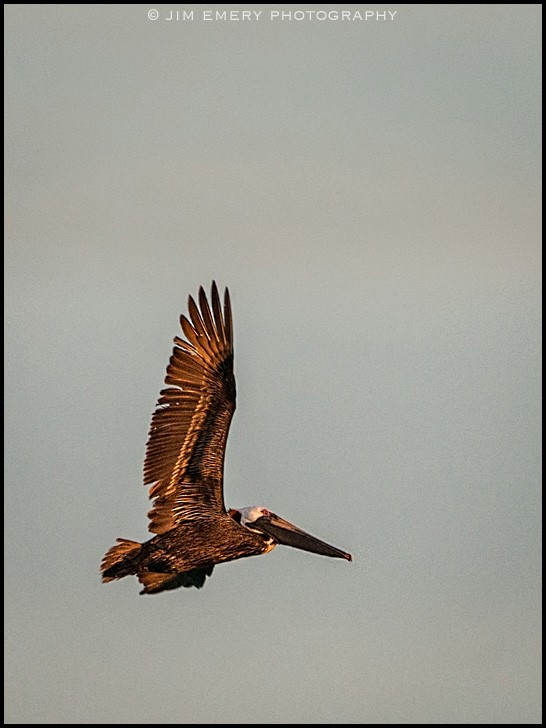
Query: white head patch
(252, 513)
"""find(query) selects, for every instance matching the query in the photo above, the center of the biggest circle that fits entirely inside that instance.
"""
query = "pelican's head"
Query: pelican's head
(263, 521)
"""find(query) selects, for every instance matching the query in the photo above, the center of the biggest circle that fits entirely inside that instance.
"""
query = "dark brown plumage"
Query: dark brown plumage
(184, 465)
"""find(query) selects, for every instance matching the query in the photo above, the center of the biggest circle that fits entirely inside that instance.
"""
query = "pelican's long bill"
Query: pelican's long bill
(286, 533)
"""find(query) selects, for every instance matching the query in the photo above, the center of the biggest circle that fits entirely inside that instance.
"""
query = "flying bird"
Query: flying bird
(184, 466)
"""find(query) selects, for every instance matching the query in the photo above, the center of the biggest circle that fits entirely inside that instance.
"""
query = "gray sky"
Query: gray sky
(369, 191)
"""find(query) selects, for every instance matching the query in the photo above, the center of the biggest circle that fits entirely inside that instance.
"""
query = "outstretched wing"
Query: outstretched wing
(187, 438)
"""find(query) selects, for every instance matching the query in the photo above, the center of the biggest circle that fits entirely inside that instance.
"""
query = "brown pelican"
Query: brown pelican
(184, 465)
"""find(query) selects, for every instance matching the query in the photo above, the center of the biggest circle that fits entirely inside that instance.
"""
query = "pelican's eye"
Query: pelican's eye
(265, 512)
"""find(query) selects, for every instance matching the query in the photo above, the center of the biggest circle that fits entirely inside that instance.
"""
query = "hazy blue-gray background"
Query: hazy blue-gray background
(369, 192)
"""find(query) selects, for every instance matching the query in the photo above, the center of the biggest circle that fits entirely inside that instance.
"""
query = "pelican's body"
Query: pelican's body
(184, 465)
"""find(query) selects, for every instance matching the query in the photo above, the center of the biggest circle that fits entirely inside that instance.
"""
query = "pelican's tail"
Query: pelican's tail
(119, 561)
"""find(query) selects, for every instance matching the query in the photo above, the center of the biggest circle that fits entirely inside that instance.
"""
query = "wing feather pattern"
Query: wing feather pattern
(185, 451)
